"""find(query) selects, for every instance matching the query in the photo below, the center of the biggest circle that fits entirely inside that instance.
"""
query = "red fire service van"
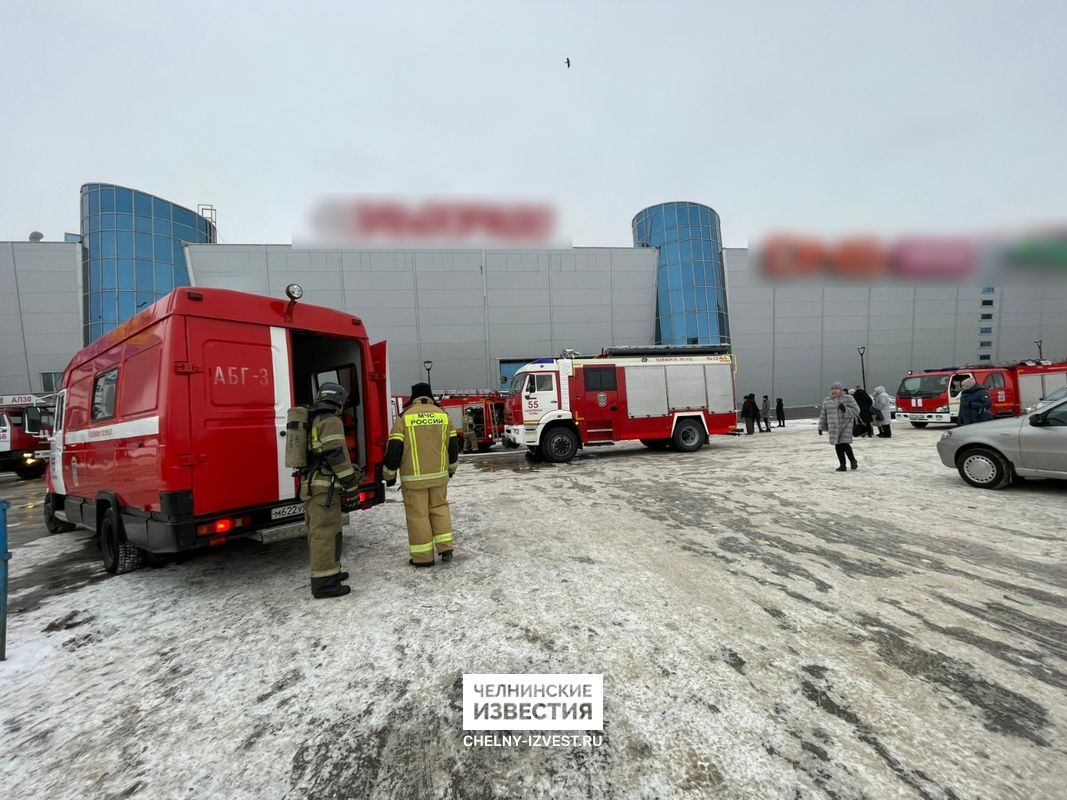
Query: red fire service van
(170, 429)
(25, 425)
(933, 395)
(488, 410)
(664, 396)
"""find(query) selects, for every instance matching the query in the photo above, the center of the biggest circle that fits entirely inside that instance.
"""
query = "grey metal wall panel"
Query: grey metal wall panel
(686, 387)
(646, 391)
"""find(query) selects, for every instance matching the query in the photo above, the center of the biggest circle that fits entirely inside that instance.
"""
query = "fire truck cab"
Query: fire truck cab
(664, 396)
(25, 425)
(933, 395)
(170, 429)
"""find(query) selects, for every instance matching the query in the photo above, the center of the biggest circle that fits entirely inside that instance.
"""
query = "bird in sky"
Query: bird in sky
(567, 61)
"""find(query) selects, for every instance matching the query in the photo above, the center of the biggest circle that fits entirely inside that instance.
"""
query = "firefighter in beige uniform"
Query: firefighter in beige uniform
(470, 434)
(424, 449)
(329, 474)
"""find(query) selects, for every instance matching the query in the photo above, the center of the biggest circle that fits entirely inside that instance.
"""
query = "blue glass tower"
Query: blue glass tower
(691, 277)
(131, 252)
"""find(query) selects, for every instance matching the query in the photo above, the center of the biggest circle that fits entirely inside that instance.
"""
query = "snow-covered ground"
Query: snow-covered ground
(766, 627)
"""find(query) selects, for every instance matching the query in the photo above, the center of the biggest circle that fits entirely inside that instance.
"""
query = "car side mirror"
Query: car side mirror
(1038, 420)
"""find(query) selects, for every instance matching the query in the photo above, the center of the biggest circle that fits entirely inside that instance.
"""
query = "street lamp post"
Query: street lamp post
(863, 372)
(427, 365)
(1040, 351)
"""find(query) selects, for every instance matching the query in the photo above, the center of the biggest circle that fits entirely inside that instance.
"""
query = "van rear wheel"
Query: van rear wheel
(119, 555)
(53, 524)
(688, 436)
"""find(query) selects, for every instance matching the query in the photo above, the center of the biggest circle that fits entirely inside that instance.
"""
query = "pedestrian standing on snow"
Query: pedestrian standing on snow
(779, 411)
(882, 412)
(974, 403)
(749, 413)
(765, 412)
(839, 413)
(864, 401)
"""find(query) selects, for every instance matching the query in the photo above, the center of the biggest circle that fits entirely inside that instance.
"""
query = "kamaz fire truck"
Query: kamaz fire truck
(933, 395)
(25, 425)
(664, 396)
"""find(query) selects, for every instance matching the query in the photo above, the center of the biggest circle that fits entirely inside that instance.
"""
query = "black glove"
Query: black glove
(350, 500)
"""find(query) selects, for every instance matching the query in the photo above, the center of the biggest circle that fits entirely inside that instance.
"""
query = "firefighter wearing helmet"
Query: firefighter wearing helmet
(329, 475)
(424, 449)
(470, 436)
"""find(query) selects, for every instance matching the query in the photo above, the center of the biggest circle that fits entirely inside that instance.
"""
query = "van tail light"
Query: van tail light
(220, 527)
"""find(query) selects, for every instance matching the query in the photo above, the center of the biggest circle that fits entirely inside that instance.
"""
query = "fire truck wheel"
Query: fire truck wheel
(29, 473)
(656, 444)
(54, 525)
(119, 555)
(984, 468)
(688, 436)
(559, 445)
(919, 424)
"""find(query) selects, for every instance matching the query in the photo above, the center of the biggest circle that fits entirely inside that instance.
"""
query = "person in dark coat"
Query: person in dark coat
(864, 401)
(749, 412)
(765, 412)
(779, 411)
(839, 413)
(974, 403)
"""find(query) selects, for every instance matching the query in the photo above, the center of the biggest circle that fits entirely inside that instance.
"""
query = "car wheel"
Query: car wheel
(919, 424)
(688, 436)
(50, 522)
(984, 468)
(119, 555)
(559, 445)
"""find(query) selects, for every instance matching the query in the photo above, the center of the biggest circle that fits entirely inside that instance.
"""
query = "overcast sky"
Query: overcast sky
(808, 116)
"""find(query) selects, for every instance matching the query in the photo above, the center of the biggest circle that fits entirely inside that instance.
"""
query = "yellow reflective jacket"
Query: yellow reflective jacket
(421, 445)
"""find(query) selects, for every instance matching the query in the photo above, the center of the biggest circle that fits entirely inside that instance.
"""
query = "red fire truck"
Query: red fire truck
(488, 409)
(933, 395)
(169, 430)
(25, 425)
(664, 396)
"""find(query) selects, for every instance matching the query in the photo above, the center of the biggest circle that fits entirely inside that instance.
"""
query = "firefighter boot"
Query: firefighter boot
(330, 586)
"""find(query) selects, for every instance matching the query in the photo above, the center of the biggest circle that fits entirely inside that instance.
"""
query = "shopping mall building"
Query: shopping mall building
(478, 314)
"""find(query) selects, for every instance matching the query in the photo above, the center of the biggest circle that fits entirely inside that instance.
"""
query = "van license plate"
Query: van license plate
(284, 512)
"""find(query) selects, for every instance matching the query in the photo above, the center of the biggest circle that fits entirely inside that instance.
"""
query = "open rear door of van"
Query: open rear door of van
(380, 413)
(238, 402)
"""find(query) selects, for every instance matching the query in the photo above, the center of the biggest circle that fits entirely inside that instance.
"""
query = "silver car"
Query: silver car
(990, 454)
(1059, 394)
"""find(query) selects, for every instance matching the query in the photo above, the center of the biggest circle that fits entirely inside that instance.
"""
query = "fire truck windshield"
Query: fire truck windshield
(923, 386)
(517, 382)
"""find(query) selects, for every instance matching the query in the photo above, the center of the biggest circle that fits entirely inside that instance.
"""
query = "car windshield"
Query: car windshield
(923, 386)
(1059, 394)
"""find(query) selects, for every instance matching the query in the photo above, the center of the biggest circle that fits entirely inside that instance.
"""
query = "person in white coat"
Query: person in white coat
(882, 412)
